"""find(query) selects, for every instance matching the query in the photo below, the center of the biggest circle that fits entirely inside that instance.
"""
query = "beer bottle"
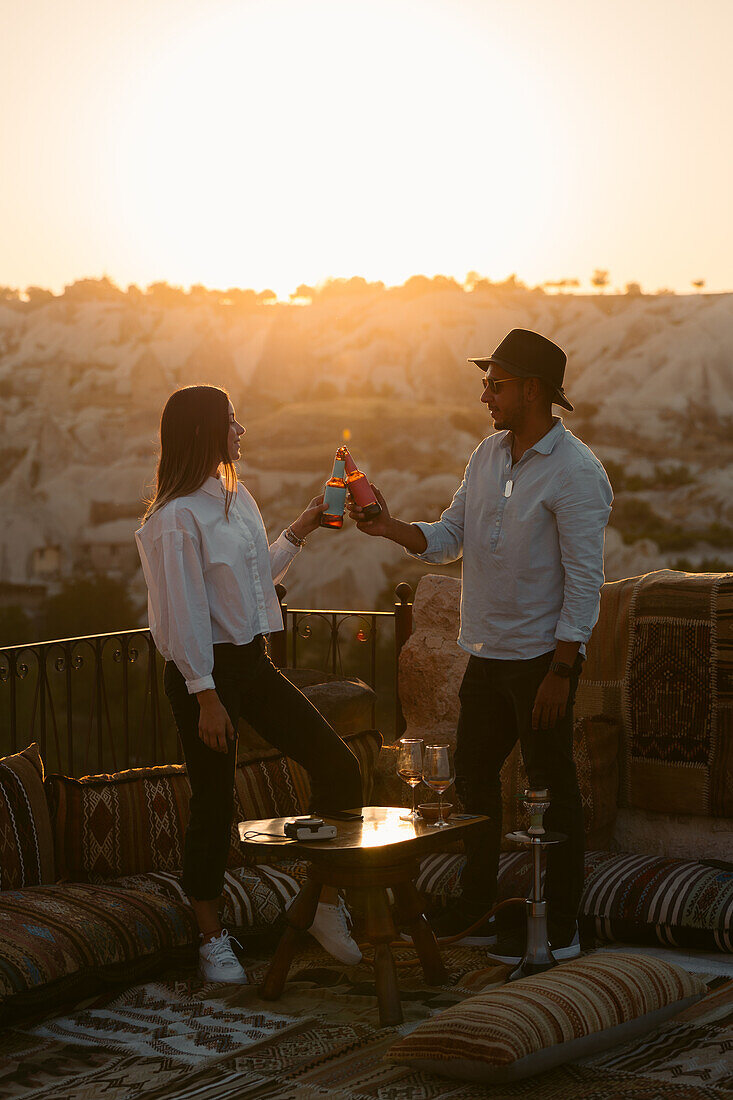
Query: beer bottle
(358, 485)
(335, 495)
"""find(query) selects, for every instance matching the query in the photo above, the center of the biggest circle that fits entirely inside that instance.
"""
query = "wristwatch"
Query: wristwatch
(561, 669)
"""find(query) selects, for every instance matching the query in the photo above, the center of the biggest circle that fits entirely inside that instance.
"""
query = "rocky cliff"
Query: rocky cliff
(82, 384)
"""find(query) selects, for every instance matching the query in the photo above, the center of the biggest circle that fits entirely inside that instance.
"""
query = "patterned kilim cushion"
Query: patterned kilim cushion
(254, 897)
(132, 822)
(62, 943)
(57, 942)
(661, 661)
(106, 826)
(536, 1023)
(26, 841)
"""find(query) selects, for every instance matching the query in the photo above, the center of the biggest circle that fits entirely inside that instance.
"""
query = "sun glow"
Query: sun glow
(277, 142)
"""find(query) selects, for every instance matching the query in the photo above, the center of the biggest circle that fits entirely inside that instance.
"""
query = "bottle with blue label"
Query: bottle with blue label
(334, 496)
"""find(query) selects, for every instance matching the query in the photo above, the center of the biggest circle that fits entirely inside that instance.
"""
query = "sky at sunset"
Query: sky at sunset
(265, 143)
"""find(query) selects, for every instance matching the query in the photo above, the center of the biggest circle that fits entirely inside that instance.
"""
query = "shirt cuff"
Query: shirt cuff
(428, 551)
(566, 633)
(204, 683)
(286, 545)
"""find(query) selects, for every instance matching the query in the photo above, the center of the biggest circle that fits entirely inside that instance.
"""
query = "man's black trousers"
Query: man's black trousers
(250, 687)
(497, 698)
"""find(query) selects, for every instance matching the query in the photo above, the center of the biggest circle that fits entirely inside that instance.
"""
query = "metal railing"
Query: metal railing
(95, 703)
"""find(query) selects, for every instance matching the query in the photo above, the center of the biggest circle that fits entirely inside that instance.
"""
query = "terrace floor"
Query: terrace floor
(178, 1037)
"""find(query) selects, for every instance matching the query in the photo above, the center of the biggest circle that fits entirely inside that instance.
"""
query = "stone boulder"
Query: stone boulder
(431, 663)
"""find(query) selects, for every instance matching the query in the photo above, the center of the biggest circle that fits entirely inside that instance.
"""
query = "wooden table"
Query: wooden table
(370, 855)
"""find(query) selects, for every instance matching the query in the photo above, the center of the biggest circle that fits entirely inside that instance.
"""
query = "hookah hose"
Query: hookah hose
(446, 941)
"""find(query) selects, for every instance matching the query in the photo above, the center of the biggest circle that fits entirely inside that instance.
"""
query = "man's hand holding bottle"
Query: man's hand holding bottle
(378, 526)
(385, 525)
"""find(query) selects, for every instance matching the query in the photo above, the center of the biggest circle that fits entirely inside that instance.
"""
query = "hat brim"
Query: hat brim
(482, 362)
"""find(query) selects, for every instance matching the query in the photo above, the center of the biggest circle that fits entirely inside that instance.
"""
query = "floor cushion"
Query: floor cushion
(26, 840)
(534, 1024)
(61, 943)
(626, 898)
(653, 899)
(57, 943)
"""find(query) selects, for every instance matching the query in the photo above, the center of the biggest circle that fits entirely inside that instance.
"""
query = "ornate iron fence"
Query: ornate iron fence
(95, 703)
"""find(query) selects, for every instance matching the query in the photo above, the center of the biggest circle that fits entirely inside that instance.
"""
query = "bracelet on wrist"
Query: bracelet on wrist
(291, 536)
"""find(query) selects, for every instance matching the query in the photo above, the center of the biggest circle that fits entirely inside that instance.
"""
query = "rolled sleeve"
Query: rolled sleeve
(582, 510)
(282, 553)
(204, 684)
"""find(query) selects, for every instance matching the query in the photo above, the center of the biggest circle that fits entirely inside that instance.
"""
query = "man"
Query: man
(528, 520)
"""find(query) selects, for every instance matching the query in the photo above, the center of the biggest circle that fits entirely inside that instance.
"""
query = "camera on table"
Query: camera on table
(308, 828)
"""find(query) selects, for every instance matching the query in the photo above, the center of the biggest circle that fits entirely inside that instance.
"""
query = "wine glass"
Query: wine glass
(409, 768)
(438, 774)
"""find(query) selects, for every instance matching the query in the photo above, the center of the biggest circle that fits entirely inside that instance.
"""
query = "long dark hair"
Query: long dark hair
(194, 434)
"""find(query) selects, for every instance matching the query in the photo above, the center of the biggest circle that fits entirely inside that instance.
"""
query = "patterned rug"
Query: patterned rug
(178, 1037)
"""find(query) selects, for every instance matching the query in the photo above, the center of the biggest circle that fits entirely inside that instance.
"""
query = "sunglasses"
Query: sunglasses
(492, 384)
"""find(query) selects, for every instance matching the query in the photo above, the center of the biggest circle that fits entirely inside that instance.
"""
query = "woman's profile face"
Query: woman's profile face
(236, 431)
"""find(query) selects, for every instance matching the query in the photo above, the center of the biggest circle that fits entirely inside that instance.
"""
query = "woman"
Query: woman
(211, 598)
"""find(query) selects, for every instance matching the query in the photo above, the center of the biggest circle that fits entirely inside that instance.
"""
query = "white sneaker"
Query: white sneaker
(217, 961)
(332, 928)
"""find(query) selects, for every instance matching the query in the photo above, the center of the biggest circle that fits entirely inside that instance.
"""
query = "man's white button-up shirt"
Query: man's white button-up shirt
(532, 549)
(210, 579)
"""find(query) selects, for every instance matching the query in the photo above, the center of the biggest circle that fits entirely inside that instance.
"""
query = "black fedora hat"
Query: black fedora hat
(526, 354)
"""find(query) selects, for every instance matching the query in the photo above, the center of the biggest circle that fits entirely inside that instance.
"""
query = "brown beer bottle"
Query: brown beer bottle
(334, 496)
(361, 491)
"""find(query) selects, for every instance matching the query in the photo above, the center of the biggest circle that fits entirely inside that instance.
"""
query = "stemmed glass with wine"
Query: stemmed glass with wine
(410, 769)
(438, 774)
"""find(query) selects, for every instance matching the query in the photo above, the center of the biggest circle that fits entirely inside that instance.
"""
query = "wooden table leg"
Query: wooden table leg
(411, 910)
(380, 931)
(299, 916)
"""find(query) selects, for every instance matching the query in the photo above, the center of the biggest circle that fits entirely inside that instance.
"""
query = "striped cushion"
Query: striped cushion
(628, 898)
(675, 902)
(536, 1023)
(440, 875)
(26, 841)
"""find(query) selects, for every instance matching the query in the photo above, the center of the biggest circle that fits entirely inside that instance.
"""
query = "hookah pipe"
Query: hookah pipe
(538, 956)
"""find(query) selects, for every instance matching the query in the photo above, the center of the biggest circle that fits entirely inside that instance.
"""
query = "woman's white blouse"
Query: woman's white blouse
(209, 579)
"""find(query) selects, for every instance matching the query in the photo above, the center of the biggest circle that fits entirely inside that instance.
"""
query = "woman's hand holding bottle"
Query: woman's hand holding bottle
(215, 725)
(309, 519)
